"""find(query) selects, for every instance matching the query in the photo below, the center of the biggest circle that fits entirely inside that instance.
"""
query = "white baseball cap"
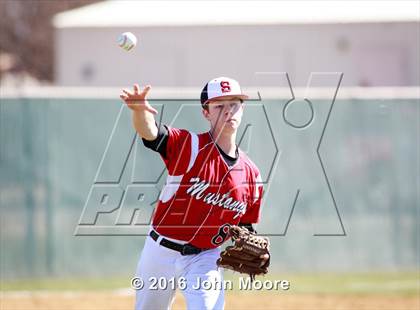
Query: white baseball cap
(221, 87)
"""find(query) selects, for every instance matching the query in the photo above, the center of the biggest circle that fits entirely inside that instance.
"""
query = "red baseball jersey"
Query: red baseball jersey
(203, 194)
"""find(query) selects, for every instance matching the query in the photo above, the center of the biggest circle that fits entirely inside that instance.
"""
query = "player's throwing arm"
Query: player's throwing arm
(143, 112)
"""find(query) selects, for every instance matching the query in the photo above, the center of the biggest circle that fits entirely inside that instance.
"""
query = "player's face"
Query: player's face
(224, 115)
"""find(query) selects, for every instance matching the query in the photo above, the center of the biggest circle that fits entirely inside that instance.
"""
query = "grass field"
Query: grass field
(382, 291)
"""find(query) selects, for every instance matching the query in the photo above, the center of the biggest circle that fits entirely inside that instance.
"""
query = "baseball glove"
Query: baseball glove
(249, 254)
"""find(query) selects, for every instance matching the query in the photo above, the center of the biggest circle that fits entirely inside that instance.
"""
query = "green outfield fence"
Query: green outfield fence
(367, 168)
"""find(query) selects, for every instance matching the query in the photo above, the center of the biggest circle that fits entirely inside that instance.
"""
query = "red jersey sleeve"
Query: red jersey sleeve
(178, 151)
(253, 211)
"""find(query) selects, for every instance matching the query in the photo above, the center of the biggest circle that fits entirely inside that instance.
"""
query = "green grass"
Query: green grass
(349, 283)
(59, 284)
(407, 283)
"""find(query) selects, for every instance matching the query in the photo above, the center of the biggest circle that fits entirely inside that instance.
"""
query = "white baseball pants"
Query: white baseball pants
(163, 270)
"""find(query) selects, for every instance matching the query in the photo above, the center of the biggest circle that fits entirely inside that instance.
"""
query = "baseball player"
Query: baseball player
(211, 185)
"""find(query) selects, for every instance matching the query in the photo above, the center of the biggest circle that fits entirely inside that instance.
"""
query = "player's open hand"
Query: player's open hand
(136, 100)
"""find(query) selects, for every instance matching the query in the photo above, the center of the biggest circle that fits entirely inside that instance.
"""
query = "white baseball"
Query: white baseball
(127, 41)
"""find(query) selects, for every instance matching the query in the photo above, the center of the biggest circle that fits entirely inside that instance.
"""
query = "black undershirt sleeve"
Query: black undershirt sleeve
(248, 226)
(161, 141)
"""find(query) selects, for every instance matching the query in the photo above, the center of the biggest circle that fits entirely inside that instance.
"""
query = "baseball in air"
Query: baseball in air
(127, 41)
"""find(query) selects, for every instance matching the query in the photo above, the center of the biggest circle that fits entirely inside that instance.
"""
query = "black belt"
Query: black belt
(184, 249)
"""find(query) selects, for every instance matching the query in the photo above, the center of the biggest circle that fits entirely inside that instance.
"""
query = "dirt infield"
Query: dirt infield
(124, 300)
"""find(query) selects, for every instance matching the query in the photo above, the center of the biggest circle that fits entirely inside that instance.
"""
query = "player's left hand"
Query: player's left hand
(250, 253)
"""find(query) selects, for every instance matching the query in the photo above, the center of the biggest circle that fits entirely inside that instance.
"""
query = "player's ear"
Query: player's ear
(205, 113)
